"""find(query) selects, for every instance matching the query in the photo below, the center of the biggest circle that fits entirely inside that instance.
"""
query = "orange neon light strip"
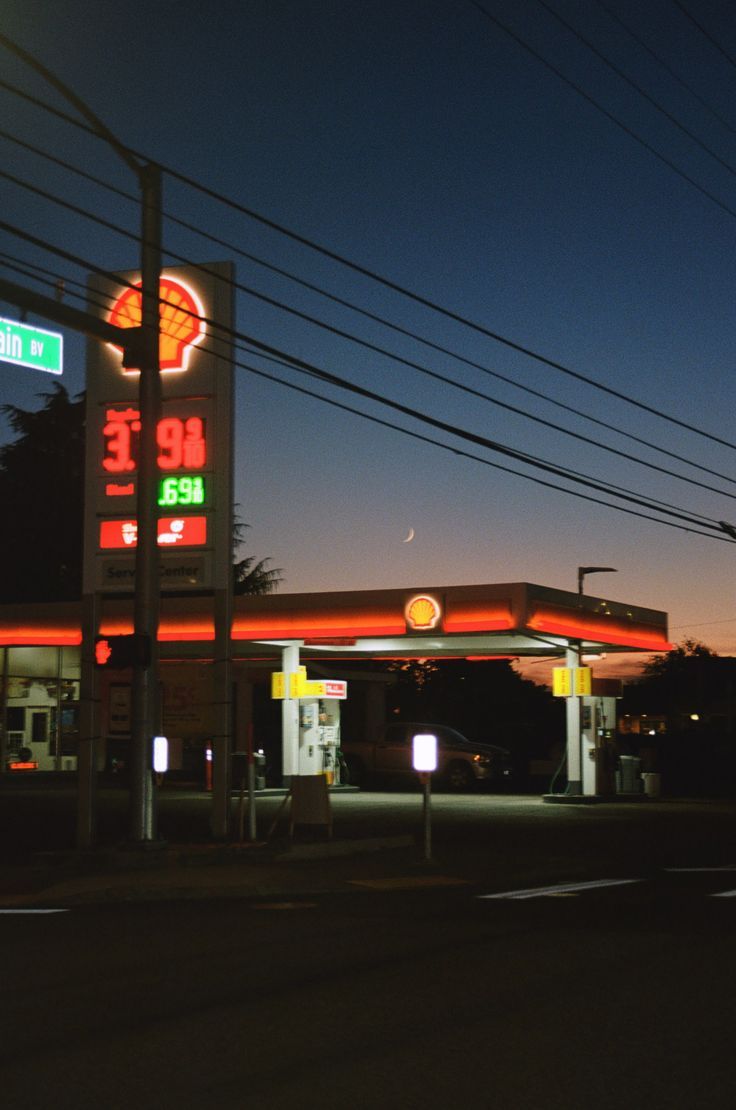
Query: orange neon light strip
(311, 625)
(479, 622)
(41, 637)
(604, 632)
(190, 632)
(478, 618)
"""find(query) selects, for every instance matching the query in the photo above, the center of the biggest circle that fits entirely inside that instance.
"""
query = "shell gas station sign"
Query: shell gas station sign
(193, 433)
(423, 613)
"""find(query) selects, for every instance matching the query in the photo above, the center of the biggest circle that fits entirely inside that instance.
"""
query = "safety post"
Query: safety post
(424, 759)
(247, 777)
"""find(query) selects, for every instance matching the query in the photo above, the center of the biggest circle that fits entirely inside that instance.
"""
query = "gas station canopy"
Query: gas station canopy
(507, 619)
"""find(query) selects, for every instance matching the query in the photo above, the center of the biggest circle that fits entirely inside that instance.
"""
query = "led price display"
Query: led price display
(182, 443)
(182, 490)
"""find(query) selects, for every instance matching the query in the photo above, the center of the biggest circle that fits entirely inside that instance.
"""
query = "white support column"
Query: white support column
(290, 713)
(223, 716)
(588, 744)
(573, 705)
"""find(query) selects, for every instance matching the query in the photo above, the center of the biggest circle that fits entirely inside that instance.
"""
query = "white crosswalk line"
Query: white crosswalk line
(559, 888)
(28, 910)
(693, 870)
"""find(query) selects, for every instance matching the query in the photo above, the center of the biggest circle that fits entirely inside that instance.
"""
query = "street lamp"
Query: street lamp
(147, 588)
(582, 571)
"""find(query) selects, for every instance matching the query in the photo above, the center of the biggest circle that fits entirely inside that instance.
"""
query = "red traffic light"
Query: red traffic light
(121, 652)
(103, 651)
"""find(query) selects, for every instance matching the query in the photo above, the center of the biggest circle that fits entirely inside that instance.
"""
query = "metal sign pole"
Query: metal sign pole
(147, 586)
(427, 815)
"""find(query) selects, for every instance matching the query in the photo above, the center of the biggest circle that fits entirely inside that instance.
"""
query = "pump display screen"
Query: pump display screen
(182, 444)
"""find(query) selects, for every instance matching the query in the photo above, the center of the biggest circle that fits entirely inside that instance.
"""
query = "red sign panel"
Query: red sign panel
(176, 531)
(335, 688)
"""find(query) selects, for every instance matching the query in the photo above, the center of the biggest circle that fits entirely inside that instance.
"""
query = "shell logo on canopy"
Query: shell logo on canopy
(182, 320)
(422, 613)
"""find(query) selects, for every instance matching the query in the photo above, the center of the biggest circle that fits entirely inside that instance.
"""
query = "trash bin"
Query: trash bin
(652, 783)
(628, 776)
(259, 760)
(240, 769)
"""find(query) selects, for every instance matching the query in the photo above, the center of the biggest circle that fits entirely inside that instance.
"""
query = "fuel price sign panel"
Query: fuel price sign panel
(193, 435)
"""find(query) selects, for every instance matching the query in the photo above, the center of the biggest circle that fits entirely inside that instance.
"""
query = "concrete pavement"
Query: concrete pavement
(491, 839)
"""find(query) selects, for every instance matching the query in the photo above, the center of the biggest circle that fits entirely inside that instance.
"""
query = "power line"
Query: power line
(637, 87)
(374, 317)
(609, 487)
(666, 66)
(623, 127)
(711, 39)
(340, 333)
(416, 297)
(476, 458)
(492, 445)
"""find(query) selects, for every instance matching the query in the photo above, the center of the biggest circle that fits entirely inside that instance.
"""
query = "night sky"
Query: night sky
(422, 141)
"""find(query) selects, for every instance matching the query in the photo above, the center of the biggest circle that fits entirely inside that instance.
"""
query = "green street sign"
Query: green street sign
(25, 345)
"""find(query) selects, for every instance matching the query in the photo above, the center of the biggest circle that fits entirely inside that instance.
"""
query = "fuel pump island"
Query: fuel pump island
(315, 744)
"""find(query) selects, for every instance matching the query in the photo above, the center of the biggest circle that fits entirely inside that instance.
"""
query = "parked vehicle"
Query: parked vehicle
(461, 764)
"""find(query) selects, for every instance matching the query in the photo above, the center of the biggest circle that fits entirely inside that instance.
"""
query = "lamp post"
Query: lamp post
(582, 571)
(147, 588)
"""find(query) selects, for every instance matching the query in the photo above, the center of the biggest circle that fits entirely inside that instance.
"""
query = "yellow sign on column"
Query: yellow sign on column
(297, 682)
(583, 682)
(278, 685)
(562, 682)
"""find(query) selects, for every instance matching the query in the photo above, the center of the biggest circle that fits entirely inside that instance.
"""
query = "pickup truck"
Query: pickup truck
(461, 764)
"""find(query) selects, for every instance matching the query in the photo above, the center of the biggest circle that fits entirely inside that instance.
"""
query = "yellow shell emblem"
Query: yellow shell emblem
(181, 328)
(422, 612)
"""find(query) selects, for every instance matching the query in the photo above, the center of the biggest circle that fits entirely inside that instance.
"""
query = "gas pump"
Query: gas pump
(312, 740)
(319, 737)
(597, 743)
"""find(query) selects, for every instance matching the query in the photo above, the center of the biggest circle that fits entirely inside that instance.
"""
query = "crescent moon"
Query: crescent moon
(410, 537)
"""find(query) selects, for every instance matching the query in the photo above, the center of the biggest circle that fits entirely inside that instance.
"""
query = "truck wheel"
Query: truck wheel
(459, 777)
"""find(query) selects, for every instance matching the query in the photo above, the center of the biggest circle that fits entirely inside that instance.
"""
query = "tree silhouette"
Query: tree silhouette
(42, 507)
(41, 501)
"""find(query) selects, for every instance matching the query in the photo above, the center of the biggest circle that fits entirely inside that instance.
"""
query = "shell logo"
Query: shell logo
(182, 325)
(422, 613)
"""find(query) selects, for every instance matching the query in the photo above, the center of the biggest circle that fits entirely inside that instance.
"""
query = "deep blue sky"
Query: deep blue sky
(420, 140)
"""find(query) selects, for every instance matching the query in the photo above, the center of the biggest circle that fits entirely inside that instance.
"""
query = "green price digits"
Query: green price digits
(187, 489)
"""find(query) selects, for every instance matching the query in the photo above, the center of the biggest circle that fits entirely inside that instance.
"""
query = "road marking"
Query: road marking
(284, 905)
(724, 867)
(23, 910)
(409, 882)
(561, 888)
(724, 894)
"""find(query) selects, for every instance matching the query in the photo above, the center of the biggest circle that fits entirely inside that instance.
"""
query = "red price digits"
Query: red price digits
(118, 433)
(181, 442)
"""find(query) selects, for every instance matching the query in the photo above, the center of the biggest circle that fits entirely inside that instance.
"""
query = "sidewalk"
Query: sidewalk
(494, 839)
(193, 871)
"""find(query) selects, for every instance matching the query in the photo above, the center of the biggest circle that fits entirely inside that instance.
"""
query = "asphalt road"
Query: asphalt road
(405, 997)
(398, 983)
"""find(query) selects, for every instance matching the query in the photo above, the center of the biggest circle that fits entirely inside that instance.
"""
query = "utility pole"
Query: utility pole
(147, 585)
(147, 588)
